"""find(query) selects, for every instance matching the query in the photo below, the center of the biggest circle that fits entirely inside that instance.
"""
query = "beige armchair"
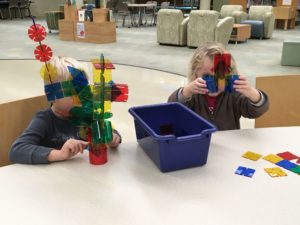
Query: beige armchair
(265, 14)
(171, 27)
(205, 26)
(235, 11)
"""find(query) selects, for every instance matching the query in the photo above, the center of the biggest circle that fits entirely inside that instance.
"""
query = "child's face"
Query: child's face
(63, 106)
(208, 68)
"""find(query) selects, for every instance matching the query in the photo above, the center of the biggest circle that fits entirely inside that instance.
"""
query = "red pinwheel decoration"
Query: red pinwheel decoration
(37, 32)
(43, 53)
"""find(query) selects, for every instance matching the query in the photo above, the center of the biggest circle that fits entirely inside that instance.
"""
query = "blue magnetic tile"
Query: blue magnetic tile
(249, 172)
(59, 94)
(50, 97)
(286, 164)
(240, 170)
(53, 87)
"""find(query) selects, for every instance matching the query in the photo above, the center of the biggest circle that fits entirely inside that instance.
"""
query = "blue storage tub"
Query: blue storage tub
(172, 135)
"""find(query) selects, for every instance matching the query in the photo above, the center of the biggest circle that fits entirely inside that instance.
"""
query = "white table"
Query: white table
(129, 189)
(141, 7)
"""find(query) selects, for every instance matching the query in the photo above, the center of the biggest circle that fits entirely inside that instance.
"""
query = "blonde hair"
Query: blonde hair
(208, 49)
(60, 65)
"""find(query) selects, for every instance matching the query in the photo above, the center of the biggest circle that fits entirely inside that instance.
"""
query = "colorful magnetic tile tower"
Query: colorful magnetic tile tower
(252, 156)
(244, 171)
(95, 107)
(94, 100)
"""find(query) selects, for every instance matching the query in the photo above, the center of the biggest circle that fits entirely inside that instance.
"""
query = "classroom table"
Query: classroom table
(141, 9)
(129, 188)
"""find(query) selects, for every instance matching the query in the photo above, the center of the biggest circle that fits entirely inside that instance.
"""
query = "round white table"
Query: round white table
(129, 189)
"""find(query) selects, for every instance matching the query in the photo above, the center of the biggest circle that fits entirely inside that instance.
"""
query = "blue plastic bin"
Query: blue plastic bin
(172, 135)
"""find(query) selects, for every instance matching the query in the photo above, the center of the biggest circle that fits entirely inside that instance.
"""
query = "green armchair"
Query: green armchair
(171, 27)
(205, 26)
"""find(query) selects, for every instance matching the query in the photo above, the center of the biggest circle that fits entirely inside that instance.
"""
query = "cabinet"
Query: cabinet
(99, 31)
(293, 3)
(284, 17)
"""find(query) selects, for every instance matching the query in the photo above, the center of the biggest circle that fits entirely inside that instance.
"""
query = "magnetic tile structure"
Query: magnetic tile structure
(95, 109)
(92, 102)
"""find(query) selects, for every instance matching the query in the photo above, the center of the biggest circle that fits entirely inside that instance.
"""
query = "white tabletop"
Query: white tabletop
(129, 189)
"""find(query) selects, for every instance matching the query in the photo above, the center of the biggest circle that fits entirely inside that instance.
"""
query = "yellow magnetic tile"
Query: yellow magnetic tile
(272, 158)
(251, 155)
(275, 172)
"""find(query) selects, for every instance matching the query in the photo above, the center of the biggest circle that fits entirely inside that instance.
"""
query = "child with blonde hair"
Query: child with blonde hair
(220, 107)
(51, 136)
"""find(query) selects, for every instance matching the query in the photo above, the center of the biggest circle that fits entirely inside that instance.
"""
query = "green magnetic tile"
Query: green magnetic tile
(296, 170)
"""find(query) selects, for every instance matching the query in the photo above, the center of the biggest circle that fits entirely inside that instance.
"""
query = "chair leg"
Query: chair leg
(123, 23)
(9, 12)
(21, 14)
(117, 16)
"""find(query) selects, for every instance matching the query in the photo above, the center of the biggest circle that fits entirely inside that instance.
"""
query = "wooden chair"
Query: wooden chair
(15, 117)
(284, 96)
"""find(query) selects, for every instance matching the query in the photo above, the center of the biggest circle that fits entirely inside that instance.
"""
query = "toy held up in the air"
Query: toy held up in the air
(222, 78)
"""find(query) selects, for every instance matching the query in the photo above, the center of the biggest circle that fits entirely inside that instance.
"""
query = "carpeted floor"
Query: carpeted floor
(138, 47)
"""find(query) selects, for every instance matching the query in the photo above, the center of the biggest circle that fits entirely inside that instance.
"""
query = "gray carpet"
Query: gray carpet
(138, 47)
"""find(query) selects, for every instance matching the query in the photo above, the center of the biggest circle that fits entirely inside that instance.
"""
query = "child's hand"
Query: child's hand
(242, 85)
(198, 86)
(70, 148)
(115, 141)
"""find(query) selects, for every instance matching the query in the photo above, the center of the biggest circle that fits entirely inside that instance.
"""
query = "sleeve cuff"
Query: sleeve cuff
(261, 101)
(180, 96)
(117, 133)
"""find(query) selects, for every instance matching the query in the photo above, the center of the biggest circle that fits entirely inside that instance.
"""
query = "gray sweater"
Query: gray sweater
(229, 109)
(45, 132)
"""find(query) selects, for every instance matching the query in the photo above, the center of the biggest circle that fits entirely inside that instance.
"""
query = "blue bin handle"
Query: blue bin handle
(196, 136)
(148, 129)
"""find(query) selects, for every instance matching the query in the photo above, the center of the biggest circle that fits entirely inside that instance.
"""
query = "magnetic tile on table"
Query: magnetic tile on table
(240, 170)
(249, 172)
(273, 158)
(286, 164)
(252, 156)
(287, 155)
(296, 170)
(275, 172)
